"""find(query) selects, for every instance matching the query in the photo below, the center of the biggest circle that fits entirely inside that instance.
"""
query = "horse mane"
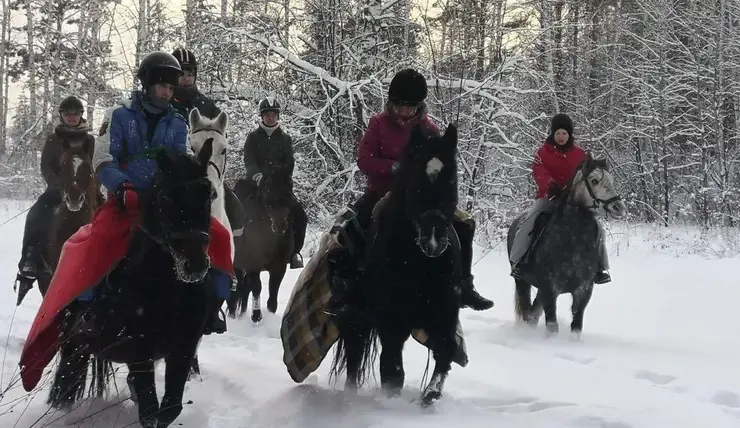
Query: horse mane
(413, 180)
(174, 168)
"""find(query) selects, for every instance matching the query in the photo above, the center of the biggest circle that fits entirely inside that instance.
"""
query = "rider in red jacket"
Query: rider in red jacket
(554, 165)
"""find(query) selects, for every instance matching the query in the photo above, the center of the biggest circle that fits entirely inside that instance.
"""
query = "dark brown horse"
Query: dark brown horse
(267, 241)
(80, 198)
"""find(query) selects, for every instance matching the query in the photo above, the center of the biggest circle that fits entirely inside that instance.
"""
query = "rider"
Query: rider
(187, 97)
(133, 132)
(379, 153)
(73, 128)
(553, 167)
(260, 150)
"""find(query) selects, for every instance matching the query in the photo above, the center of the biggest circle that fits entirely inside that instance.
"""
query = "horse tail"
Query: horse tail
(102, 373)
(357, 350)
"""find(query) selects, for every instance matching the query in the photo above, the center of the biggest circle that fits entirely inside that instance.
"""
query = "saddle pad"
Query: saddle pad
(307, 333)
(86, 258)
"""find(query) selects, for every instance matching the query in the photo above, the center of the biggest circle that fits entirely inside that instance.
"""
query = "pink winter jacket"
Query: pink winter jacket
(382, 145)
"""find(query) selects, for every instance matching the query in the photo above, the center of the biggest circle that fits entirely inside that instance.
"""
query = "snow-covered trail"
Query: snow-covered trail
(660, 348)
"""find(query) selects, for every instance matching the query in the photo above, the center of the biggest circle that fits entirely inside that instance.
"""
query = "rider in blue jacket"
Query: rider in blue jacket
(133, 133)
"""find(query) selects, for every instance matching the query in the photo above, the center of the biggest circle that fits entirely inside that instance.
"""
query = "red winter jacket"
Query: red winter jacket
(554, 165)
(382, 145)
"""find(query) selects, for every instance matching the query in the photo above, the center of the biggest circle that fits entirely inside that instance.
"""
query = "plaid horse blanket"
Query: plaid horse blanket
(308, 333)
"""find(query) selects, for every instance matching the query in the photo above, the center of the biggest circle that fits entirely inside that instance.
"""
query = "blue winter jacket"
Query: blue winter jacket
(127, 123)
(125, 127)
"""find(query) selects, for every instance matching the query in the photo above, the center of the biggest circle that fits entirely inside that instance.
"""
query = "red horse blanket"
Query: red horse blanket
(86, 258)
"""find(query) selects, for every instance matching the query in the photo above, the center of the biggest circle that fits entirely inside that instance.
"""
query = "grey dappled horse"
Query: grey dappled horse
(565, 255)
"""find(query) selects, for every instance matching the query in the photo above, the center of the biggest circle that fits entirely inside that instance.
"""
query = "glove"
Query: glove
(126, 197)
(554, 190)
(257, 178)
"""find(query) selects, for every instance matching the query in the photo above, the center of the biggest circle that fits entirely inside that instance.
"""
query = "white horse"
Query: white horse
(203, 129)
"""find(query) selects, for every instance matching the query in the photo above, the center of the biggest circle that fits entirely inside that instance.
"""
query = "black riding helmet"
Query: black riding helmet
(408, 88)
(187, 60)
(269, 104)
(71, 103)
(159, 67)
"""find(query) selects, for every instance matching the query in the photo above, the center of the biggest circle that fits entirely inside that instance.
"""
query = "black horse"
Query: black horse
(412, 274)
(153, 305)
(268, 238)
(565, 256)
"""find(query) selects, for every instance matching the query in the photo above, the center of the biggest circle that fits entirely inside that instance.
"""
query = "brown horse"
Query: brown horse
(267, 242)
(80, 198)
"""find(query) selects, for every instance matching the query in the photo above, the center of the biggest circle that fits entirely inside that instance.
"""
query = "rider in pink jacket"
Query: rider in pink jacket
(379, 152)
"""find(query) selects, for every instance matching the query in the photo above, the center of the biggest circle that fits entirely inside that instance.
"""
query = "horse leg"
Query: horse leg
(276, 278)
(71, 374)
(233, 304)
(537, 309)
(140, 381)
(549, 304)
(194, 366)
(581, 297)
(175, 376)
(444, 346)
(392, 375)
(255, 285)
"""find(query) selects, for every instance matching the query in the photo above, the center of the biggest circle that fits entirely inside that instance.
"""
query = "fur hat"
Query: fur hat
(561, 121)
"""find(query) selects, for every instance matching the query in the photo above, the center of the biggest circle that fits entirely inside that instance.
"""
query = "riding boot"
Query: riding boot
(217, 319)
(469, 296)
(296, 261)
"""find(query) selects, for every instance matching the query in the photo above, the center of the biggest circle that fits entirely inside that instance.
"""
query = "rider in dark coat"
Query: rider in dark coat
(72, 128)
(266, 145)
(187, 97)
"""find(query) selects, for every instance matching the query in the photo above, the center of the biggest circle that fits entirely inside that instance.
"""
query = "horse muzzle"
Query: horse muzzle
(616, 209)
(75, 204)
(190, 252)
(278, 225)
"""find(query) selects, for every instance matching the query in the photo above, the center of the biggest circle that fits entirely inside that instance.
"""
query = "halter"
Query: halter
(597, 201)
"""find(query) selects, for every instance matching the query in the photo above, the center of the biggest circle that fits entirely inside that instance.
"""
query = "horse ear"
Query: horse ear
(205, 152)
(450, 135)
(195, 118)
(222, 121)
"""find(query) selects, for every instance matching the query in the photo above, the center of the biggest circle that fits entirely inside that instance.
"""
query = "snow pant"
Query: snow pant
(36, 231)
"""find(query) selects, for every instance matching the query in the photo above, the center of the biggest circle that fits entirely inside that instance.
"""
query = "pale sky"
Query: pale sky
(123, 40)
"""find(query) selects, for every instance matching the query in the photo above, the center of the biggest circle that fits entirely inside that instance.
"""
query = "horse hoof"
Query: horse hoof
(552, 329)
(272, 306)
(150, 423)
(575, 335)
(430, 397)
(257, 316)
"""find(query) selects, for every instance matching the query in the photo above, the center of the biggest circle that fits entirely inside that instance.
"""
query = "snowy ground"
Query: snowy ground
(660, 348)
